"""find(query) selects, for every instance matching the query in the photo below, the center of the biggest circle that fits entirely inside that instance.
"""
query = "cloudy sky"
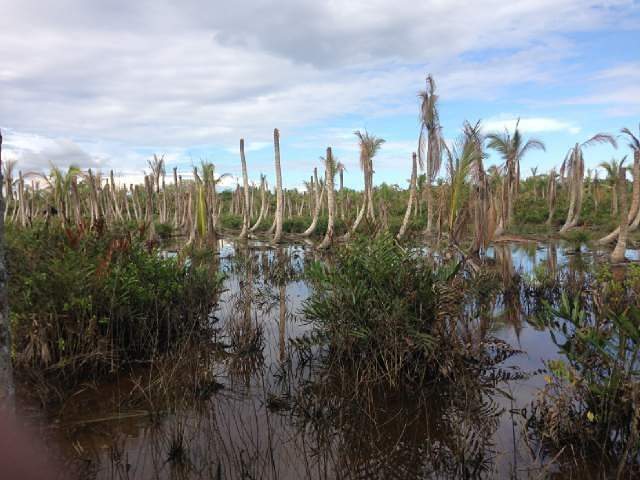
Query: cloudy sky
(105, 84)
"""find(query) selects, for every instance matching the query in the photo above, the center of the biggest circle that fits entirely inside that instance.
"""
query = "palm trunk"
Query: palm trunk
(331, 200)
(617, 255)
(412, 196)
(245, 187)
(429, 196)
(317, 203)
(277, 237)
(263, 205)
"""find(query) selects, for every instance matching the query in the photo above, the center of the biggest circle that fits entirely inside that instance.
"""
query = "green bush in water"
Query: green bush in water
(385, 310)
(83, 303)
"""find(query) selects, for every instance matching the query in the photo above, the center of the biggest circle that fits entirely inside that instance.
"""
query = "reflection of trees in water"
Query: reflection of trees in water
(445, 431)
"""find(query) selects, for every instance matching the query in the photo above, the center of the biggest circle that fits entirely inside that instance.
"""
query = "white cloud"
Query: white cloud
(108, 82)
(529, 124)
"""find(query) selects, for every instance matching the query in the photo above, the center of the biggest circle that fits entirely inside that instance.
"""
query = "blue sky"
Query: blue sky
(106, 85)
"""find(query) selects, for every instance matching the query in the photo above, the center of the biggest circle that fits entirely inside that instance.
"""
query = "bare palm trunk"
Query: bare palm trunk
(331, 200)
(617, 255)
(412, 196)
(318, 194)
(245, 187)
(277, 237)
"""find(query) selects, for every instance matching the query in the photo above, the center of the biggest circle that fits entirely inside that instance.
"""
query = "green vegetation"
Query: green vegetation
(86, 304)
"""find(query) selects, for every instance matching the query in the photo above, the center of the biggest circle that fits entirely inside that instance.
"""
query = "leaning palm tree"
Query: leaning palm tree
(573, 169)
(429, 142)
(512, 148)
(369, 147)
(634, 210)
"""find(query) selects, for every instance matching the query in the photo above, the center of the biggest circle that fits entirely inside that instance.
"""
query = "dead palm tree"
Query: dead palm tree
(551, 194)
(340, 169)
(617, 256)
(279, 220)
(317, 191)
(512, 148)
(412, 196)
(156, 164)
(245, 186)
(331, 199)
(573, 169)
(429, 142)
(612, 169)
(534, 181)
(369, 147)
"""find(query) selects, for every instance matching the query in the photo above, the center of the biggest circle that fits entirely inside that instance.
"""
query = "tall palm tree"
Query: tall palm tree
(245, 186)
(369, 147)
(412, 196)
(330, 172)
(512, 148)
(429, 141)
(463, 157)
(340, 169)
(534, 181)
(573, 169)
(156, 164)
(617, 255)
(317, 191)
(6, 372)
(279, 220)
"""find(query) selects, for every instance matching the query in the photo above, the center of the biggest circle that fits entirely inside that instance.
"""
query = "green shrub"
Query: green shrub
(82, 302)
(390, 314)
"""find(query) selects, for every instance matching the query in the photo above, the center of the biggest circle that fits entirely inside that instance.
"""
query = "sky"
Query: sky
(106, 84)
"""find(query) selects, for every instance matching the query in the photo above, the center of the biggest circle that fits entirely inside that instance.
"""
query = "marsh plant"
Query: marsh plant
(589, 409)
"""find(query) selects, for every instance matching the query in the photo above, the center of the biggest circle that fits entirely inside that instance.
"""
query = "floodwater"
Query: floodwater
(258, 408)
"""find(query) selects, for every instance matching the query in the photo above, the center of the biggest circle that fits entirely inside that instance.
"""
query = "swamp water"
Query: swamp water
(259, 407)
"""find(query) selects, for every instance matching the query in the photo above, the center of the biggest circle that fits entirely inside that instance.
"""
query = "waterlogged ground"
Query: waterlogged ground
(258, 408)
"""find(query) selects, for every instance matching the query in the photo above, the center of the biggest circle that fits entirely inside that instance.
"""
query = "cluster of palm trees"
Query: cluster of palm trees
(470, 197)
